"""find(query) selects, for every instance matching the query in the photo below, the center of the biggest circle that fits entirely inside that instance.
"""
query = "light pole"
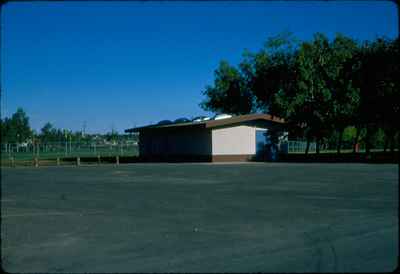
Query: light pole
(17, 142)
(66, 142)
(70, 143)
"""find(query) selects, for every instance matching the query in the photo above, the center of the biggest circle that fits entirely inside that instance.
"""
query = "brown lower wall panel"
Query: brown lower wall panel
(232, 158)
(175, 158)
(197, 158)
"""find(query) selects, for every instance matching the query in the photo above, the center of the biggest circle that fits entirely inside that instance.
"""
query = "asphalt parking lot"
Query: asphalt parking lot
(255, 217)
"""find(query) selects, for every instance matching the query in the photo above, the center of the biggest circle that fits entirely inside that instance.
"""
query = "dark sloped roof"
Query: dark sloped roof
(214, 123)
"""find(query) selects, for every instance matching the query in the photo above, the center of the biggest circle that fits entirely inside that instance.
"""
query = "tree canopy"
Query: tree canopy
(230, 93)
(16, 128)
(321, 86)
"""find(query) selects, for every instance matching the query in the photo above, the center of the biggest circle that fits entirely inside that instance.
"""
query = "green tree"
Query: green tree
(339, 78)
(20, 121)
(49, 133)
(272, 70)
(378, 81)
(309, 104)
(2, 131)
(46, 133)
(229, 94)
(320, 87)
(16, 129)
(112, 136)
(389, 92)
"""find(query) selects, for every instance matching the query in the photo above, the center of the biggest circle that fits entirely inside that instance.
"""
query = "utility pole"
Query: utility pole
(66, 142)
(84, 129)
(70, 143)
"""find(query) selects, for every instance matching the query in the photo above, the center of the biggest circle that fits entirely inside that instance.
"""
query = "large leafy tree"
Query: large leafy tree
(388, 90)
(16, 129)
(309, 102)
(320, 87)
(8, 131)
(49, 133)
(2, 130)
(230, 92)
(21, 123)
(270, 71)
(345, 95)
(368, 77)
(378, 81)
(45, 132)
(324, 98)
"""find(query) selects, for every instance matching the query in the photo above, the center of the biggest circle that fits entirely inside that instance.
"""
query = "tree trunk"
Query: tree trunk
(368, 140)
(392, 143)
(318, 141)
(398, 144)
(308, 144)
(386, 141)
(339, 145)
(355, 142)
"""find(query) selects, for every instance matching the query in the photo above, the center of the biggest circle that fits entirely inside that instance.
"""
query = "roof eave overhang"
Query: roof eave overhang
(239, 120)
(213, 123)
(167, 127)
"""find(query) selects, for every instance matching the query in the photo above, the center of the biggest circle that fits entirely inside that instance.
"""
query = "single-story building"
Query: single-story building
(227, 138)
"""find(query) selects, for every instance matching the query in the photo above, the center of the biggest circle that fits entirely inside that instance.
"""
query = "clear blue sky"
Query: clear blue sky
(132, 63)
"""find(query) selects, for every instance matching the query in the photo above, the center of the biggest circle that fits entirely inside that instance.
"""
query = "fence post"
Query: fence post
(117, 159)
(98, 159)
(58, 161)
(78, 161)
(36, 161)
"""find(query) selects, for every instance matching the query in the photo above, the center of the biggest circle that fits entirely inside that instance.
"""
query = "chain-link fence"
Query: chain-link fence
(300, 147)
(67, 149)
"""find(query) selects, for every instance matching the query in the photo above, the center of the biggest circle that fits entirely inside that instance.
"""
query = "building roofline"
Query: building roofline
(243, 118)
(214, 123)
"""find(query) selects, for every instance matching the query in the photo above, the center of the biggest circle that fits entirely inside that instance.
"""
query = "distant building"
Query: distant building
(225, 138)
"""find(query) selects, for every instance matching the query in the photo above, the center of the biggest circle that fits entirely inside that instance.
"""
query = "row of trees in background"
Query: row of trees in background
(16, 129)
(325, 89)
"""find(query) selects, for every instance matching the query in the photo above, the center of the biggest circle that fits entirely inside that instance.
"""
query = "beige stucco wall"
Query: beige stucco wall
(233, 140)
